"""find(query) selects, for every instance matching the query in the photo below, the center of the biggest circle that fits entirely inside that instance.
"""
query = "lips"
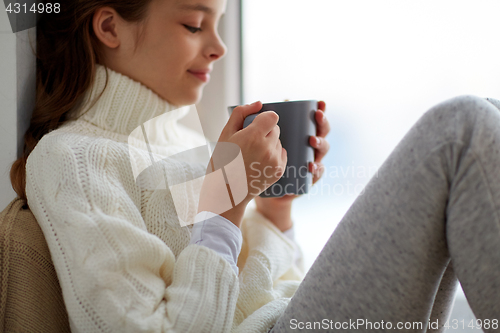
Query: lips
(202, 74)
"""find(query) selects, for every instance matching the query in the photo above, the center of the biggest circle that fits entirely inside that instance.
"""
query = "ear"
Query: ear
(105, 23)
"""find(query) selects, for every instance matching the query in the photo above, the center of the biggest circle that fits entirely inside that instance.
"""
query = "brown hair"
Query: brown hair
(67, 52)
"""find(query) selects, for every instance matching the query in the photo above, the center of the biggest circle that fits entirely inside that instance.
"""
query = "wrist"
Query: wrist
(279, 215)
(236, 213)
(214, 198)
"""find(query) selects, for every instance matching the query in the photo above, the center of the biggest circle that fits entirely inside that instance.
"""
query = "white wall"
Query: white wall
(17, 93)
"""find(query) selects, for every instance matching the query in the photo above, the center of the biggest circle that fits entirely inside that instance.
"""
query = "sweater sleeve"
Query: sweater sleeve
(219, 234)
(297, 254)
(222, 236)
(115, 275)
(268, 274)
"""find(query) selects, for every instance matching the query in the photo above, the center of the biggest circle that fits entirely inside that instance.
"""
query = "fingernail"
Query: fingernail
(255, 102)
(315, 167)
(323, 116)
(317, 140)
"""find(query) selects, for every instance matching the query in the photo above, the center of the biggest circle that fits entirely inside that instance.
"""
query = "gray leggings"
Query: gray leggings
(434, 203)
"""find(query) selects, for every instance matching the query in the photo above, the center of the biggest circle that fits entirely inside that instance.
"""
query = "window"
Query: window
(378, 65)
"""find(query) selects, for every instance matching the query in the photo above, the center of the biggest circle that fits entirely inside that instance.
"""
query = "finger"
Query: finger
(278, 144)
(235, 122)
(284, 158)
(274, 136)
(322, 124)
(321, 147)
(264, 122)
(311, 167)
(322, 106)
(318, 171)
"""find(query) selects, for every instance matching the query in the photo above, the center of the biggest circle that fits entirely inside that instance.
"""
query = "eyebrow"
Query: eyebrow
(197, 7)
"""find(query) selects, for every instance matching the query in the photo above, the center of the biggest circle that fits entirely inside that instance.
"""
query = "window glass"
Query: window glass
(378, 65)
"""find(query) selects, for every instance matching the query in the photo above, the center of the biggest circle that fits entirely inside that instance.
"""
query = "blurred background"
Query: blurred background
(378, 65)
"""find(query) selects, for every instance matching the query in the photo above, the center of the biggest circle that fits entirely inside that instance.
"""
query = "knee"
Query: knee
(462, 108)
(460, 115)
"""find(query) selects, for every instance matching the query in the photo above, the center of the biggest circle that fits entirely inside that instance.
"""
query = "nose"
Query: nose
(216, 48)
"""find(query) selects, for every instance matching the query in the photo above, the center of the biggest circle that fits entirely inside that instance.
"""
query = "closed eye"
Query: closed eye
(192, 29)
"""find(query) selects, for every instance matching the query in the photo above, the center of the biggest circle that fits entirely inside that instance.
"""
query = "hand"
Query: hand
(260, 148)
(278, 210)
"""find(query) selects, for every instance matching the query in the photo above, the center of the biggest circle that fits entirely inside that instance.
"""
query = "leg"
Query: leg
(443, 303)
(435, 198)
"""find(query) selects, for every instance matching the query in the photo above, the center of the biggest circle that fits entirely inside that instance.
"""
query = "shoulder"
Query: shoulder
(68, 158)
(60, 147)
(81, 169)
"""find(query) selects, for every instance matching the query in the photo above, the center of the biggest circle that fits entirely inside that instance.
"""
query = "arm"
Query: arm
(298, 256)
(279, 210)
(219, 234)
(267, 273)
(260, 235)
(114, 274)
(222, 236)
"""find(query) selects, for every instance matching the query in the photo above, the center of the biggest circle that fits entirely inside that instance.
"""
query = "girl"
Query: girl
(123, 260)
(126, 265)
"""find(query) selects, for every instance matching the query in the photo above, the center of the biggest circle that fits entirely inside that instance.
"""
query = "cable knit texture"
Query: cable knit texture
(122, 258)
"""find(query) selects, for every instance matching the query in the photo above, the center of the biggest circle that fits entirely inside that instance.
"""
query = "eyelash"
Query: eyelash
(192, 28)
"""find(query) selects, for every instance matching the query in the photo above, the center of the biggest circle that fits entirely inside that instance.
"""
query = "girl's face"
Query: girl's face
(179, 39)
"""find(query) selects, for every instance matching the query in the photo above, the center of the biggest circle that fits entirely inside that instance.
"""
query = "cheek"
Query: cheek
(186, 49)
(161, 45)
(174, 54)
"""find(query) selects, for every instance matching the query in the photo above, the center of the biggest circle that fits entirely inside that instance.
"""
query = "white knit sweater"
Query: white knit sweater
(123, 260)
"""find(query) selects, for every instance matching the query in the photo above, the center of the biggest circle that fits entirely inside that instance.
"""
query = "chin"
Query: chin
(181, 101)
(184, 98)
(194, 98)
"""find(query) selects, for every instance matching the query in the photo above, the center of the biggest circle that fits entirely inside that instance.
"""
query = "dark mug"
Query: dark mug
(297, 124)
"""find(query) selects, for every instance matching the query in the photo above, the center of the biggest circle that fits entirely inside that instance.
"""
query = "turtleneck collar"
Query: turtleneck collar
(125, 103)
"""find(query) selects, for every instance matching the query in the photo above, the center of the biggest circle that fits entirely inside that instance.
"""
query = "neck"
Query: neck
(124, 104)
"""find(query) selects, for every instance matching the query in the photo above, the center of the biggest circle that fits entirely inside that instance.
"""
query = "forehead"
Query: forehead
(209, 7)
